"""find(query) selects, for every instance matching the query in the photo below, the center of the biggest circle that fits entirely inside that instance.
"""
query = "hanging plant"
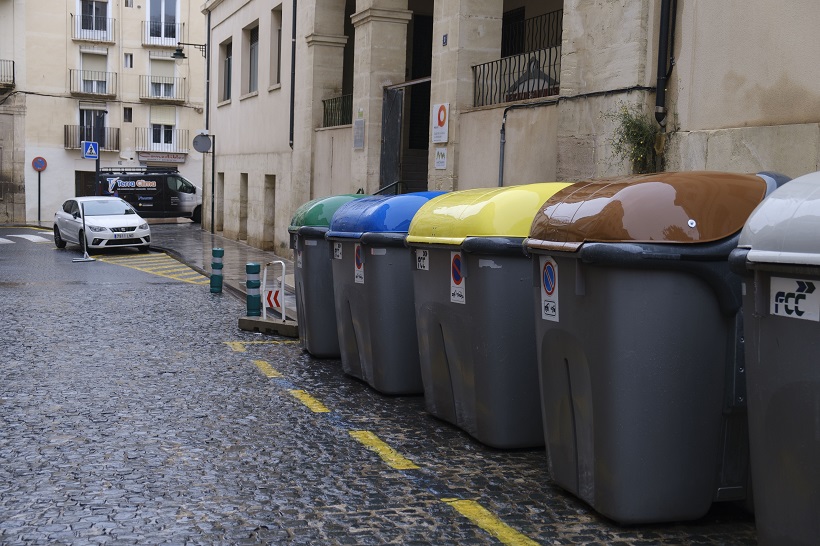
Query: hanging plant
(634, 137)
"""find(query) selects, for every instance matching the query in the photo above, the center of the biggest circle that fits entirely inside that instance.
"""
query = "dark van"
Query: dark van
(153, 192)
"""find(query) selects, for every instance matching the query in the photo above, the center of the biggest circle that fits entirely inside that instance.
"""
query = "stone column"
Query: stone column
(380, 61)
(473, 36)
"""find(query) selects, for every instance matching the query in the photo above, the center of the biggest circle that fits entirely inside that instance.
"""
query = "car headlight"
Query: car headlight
(143, 226)
(97, 228)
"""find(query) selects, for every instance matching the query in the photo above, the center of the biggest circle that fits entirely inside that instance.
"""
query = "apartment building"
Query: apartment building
(320, 97)
(103, 71)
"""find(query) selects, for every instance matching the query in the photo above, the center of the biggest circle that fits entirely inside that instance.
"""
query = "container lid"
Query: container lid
(784, 228)
(378, 214)
(483, 212)
(680, 208)
(319, 212)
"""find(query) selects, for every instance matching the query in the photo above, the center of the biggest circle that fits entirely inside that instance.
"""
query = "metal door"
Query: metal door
(390, 164)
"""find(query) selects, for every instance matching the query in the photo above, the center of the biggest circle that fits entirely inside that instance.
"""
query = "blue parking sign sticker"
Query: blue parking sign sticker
(358, 258)
(549, 289)
(457, 282)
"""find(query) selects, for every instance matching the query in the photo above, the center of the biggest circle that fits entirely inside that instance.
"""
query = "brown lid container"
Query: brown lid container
(680, 208)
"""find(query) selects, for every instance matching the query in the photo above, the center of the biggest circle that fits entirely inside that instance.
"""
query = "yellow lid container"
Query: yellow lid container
(484, 212)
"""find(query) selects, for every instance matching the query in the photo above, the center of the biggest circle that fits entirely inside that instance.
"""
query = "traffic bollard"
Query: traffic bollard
(216, 270)
(254, 297)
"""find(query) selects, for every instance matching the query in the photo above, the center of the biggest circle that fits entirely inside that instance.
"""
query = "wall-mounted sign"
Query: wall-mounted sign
(358, 134)
(164, 157)
(441, 122)
(441, 158)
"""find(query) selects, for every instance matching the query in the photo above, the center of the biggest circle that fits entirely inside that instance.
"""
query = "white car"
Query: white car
(100, 222)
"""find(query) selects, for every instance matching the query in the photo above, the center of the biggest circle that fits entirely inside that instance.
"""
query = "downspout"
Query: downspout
(666, 38)
(292, 74)
(208, 75)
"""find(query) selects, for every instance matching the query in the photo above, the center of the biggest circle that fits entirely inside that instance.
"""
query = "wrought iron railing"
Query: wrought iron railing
(337, 111)
(92, 82)
(520, 77)
(108, 138)
(161, 138)
(6, 73)
(90, 28)
(541, 32)
(162, 88)
(161, 33)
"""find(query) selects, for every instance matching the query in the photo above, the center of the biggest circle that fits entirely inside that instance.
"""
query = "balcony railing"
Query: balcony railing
(162, 89)
(159, 33)
(93, 83)
(6, 73)
(89, 28)
(107, 137)
(337, 111)
(162, 138)
(520, 77)
(541, 32)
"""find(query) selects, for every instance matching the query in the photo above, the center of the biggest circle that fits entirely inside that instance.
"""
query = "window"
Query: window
(94, 75)
(92, 124)
(162, 134)
(276, 45)
(163, 120)
(127, 114)
(129, 3)
(225, 67)
(128, 61)
(162, 79)
(253, 59)
(94, 15)
(163, 18)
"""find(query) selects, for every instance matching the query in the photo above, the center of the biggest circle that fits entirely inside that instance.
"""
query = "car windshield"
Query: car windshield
(107, 208)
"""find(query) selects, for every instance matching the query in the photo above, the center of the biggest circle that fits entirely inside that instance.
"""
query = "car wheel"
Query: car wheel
(58, 240)
(144, 248)
(196, 217)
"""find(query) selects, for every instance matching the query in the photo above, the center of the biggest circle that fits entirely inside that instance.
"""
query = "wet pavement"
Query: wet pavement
(134, 411)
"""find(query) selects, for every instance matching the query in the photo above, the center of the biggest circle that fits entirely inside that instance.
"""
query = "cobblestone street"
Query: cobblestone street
(134, 411)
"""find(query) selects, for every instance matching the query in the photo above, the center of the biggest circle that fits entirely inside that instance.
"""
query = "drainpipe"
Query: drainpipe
(292, 73)
(666, 38)
(208, 75)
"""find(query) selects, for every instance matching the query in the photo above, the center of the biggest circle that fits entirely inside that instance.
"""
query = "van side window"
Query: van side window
(178, 184)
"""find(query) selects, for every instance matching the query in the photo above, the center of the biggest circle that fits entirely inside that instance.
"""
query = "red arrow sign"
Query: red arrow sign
(272, 295)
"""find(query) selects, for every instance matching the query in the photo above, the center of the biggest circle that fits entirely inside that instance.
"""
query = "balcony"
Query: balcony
(92, 83)
(531, 67)
(162, 138)
(157, 33)
(107, 137)
(162, 89)
(88, 28)
(337, 111)
(6, 74)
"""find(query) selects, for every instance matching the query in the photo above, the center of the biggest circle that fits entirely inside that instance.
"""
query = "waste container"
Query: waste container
(472, 288)
(779, 250)
(313, 275)
(639, 339)
(374, 311)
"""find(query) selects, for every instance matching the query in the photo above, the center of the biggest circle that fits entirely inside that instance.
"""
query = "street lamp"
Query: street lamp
(179, 54)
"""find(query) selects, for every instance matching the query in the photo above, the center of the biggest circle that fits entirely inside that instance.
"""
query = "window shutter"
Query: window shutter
(163, 115)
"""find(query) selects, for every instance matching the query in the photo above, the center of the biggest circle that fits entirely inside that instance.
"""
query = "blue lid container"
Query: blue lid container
(370, 217)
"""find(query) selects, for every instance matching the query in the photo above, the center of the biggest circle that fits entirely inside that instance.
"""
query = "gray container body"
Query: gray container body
(478, 361)
(375, 317)
(784, 406)
(314, 294)
(643, 410)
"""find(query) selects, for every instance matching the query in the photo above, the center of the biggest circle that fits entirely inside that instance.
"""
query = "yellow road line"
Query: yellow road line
(387, 453)
(266, 369)
(489, 522)
(313, 404)
(161, 265)
(239, 346)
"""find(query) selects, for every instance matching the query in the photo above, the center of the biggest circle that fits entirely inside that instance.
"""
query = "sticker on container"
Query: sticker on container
(378, 251)
(311, 242)
(337, 251)
(795, 299)
(299, 259)
(549, 289)
(457, 283)
(358, 273)
(423, 259)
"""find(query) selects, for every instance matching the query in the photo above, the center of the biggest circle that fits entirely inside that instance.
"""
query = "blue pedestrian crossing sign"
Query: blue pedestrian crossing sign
(91, 149)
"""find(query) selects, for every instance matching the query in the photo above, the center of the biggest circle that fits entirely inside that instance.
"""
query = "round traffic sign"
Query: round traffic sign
(202, 143)
(548, 278)
(39, 164)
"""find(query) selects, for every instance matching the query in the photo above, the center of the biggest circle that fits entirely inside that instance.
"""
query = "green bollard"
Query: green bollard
(254, 296)
(216, 270)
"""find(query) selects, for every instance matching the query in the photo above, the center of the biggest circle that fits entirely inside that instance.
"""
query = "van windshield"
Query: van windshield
(107, 208)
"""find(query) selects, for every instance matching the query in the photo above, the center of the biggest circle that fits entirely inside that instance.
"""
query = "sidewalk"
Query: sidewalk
(192, 245)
